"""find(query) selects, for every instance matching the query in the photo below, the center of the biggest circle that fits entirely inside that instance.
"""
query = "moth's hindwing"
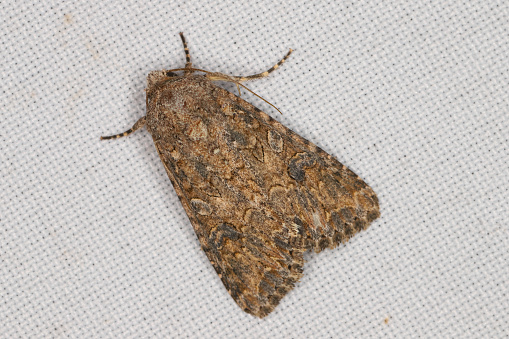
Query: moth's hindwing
(257, 194)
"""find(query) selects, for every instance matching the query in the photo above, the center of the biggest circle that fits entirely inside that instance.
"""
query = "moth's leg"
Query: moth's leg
(186, 50)
(266, 73)
(238, 79)
(139, 124)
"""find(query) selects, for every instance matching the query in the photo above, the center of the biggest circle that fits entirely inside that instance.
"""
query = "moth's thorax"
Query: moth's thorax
(175, 102)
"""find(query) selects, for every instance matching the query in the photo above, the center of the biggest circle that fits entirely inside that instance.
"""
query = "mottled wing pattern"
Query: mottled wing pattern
(257, 194)
(319, 196)
(257, 262)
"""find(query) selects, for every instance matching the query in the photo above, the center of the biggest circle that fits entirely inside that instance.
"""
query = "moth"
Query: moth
(257, 194)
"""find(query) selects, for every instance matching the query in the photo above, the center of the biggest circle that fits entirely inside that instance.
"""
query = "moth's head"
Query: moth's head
(156, 76)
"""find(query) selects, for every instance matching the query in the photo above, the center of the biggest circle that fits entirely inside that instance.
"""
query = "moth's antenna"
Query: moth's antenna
(238, 83)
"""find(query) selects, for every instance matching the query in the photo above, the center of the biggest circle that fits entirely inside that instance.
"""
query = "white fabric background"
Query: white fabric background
(411, 96)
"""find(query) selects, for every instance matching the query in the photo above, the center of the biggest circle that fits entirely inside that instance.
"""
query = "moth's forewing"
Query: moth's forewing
(257, 194)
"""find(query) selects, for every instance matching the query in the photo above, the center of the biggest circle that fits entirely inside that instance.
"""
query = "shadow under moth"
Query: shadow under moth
(257, 194)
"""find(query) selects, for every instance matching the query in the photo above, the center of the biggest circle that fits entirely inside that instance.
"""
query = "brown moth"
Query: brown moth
(257, 194)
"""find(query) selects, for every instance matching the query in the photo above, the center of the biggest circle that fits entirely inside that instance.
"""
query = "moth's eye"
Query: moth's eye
(171, 74)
